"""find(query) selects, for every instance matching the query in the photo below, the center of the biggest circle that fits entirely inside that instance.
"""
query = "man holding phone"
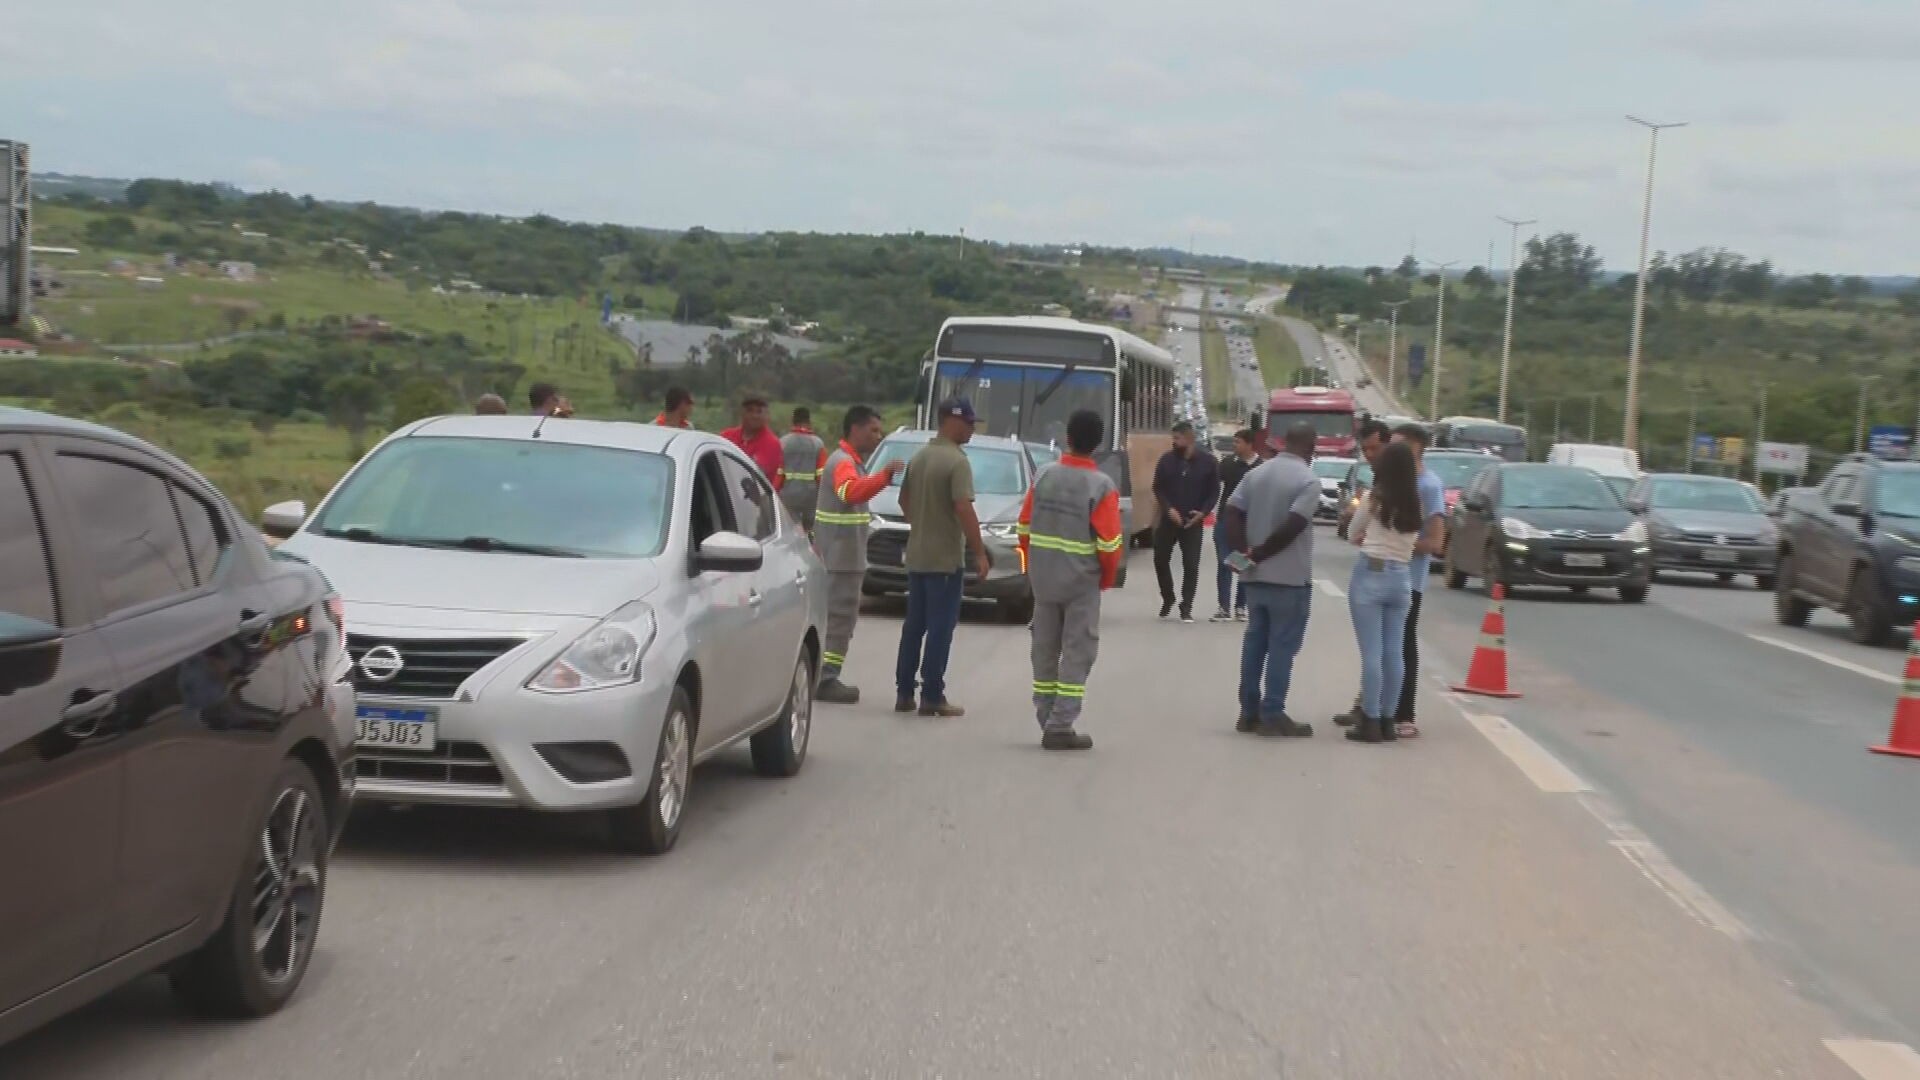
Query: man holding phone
(1186, 484)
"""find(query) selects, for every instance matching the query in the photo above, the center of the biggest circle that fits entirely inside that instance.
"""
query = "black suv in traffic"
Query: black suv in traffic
(1853, 544)
(176, 733)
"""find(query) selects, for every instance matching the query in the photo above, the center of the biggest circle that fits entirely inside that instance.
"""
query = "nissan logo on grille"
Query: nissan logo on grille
(382, 663)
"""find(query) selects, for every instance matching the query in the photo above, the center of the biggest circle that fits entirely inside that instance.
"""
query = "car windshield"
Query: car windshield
(1900, 492)
(1729, 496)
(1043, 455)
(996, 471)
(1324, 424)
(1331, 468)
(1556, 487)
(1030, 403)
(1489, 435)
(1456, 471)
(506, 495)
(1363, 475)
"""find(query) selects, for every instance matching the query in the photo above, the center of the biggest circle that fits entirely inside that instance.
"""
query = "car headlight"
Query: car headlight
(1002, 530)
(1515, 529)
(607, 655)
(1663, 531)
(1635, 533)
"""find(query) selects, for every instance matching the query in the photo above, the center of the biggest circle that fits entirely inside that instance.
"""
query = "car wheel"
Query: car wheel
(1456, 578)
(1725, 579)
(1867, 619)
(1490, 574)
(650, 826)
(1018, 612)
(1763, 582)
(1788, 609)
(781, 749)
(1580, 590)
(1633, 594)
(256, 959)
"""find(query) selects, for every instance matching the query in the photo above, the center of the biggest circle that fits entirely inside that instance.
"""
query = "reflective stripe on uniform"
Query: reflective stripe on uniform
(1045, 689)
(832, 659)
(834, 517)
(1061, 544)
(1070, 690)
(791, 475)
(1108, 545)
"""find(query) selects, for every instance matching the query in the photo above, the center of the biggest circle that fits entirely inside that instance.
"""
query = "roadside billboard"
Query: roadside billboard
(1781, 459)
(1889, 442)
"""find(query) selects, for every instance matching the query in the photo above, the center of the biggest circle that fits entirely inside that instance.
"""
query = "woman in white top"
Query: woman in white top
(1386, 530)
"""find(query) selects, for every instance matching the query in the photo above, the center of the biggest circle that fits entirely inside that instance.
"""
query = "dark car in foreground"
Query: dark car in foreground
(1853, 545)
(1705, 524)
(1523, 524)
(176, 733)
(1003, 470)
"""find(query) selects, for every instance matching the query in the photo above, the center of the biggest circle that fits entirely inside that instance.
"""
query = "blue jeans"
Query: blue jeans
(933, 610)
(1226, 581)
(1276, 626)
(1378, 600)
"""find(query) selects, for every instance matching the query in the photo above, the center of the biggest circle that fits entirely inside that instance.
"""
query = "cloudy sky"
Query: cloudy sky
(1279, 129)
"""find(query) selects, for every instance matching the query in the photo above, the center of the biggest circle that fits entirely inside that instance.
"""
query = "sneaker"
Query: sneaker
(1066, 740)
(834, 692)
(1186, 616)
(1166, 608)
(941, 709)
(1239, 614)
(1283, 727)
(1223, 615)
(904, 704)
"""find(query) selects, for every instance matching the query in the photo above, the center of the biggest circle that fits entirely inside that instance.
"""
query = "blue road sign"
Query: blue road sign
(1889, 442)
(606, 308)
(1704, 447)
(1416, 362)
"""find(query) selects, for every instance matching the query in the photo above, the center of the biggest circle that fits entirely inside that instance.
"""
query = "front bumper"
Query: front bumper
(1557, 562)
(1714, 558)
(1006, 579)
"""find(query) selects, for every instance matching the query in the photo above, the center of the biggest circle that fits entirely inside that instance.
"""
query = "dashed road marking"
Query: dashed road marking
(1331, 589)
(1653, 863)
(1877, 1060)
(1815, 654)
(1539, 766)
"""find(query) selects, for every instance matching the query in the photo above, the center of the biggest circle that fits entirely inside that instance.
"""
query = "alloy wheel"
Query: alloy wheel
(676, 763)
(286, 887)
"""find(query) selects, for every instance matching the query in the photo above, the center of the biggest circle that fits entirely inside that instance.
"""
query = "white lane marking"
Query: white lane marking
(1545, 770)
(1877, 1060)
(1331, 589)
(1654, 865)
(1844, 665)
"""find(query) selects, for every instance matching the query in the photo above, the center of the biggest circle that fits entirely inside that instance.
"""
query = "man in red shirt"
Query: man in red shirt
(679, 410)
(757, 439)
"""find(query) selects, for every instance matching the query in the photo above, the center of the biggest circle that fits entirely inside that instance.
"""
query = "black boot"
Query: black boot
(1388, 732)
(1350, 717)
(1367, 730)
(1065, 739)
(834, 692)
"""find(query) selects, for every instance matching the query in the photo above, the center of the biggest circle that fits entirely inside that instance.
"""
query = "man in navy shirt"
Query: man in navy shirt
(1186, 485)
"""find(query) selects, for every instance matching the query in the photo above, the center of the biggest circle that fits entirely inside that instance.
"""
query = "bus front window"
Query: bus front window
(1029, 403)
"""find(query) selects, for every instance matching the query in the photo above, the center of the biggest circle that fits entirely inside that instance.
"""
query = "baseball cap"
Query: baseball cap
(956, 406)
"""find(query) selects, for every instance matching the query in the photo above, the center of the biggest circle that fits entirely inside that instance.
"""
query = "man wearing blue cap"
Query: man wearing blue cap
(937, 499)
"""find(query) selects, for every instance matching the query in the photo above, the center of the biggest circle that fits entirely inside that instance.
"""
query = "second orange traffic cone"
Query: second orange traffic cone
(1904, 738)
(1487, 674)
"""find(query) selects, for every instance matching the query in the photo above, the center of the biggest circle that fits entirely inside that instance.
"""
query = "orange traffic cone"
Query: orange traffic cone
(1904, 738)
(1487, 674)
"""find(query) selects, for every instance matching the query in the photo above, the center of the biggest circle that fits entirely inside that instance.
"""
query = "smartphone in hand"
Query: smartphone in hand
(1239, 563)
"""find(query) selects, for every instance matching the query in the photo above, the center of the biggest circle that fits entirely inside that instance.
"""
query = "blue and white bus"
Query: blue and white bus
(1026, 374)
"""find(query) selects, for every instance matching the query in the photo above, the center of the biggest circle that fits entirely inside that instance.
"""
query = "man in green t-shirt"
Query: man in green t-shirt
(937, 499)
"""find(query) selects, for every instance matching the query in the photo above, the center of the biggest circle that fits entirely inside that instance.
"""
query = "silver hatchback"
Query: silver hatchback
(566, 616)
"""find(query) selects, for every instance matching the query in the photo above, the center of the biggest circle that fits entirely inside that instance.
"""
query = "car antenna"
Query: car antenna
(543, 423)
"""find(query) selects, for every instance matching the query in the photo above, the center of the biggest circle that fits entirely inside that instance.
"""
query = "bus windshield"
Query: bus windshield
(1335, 425)
(1014, 399)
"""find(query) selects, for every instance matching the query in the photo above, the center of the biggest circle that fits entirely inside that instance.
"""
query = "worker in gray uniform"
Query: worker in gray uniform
(1071, 541)
(840, 536)
(803, 458)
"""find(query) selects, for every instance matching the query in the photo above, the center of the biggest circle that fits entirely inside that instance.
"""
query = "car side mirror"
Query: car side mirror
(1638, 506)
(728, 553)
(1476, 502)
(29, 653)
(1847, 509)
(283, 519)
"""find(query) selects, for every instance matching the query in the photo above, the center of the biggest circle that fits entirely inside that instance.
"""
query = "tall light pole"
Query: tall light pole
(1506, 339)
(1693, 422)
(1760, 433)
(1439, 339)
(1630, 433)
(1860, 415)
(1393, 343)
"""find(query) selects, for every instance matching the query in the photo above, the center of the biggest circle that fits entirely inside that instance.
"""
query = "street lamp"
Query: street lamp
(1506, 339)
(1860, 415)
(1393, 343)
(1439, 338)
(1630, 434)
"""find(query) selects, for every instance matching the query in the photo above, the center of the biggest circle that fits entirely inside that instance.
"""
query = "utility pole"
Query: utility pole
(1439, 340)
(1593, 415)
(1630, 434)
(1760, 432)
(1393, 343)
(1506, 339)
(1693, 422)
(1556, 420)
(1860, 415)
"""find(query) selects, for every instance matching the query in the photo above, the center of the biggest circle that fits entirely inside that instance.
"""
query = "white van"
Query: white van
(1619, 465)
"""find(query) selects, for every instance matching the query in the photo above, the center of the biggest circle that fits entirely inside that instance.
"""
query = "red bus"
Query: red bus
(1330, 411)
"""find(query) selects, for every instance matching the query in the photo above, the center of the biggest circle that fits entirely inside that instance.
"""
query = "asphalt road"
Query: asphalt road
(942, 898)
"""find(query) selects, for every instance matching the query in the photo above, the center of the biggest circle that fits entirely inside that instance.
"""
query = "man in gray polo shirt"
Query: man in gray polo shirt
(1270, 519)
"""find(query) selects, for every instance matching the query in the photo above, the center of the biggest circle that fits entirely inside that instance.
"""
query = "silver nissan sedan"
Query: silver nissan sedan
(566, 615)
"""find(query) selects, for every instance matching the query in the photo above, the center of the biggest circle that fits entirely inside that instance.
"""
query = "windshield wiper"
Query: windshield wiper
(494, 543)
(360, 534)
(1041, 398)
